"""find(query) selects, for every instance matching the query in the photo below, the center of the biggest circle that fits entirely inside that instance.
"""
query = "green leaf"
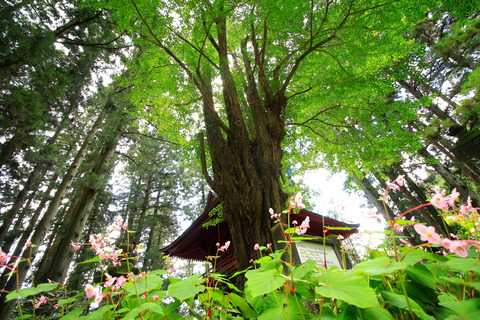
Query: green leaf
(460, 281)
(186, 288)
(278, 305)
(420, 274)
(262, 281)
(146, 283)
(400, 301)
(150, 306)
(382, 265)
(99, 313)
(243, 306)
(94, 259)
(413, 257)
(347, 286)
(23, 293)
(378, 314)
(466, 309)
(301, 270)
(464, 265)
(339, 228)
(211, 294)
(62, 302)
(74, 314)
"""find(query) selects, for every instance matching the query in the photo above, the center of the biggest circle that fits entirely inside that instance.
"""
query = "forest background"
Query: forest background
(234, 97)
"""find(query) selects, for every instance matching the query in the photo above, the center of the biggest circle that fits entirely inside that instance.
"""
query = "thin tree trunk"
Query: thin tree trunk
(151, 234)
(448, 176)
(430, 213)
(57, 258)
(20, 246)
(143, 212)
(38, 171)
(43, 226)
(10, 147)
(374, 197)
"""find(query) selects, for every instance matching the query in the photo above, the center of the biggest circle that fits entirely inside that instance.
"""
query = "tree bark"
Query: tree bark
(448, 176)
(143, 211)
(10, 147)
(57, 258)
(38, 171)
(44, 224)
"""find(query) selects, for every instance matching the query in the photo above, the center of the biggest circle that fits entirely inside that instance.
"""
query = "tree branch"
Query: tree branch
(203, 160)
(300, 92)
(148, 136)
(315, 47)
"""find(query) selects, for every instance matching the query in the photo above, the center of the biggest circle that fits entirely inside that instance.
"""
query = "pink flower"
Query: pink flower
(458, 247)
(269, 245)
(454, 196)
(439, 201)
(75, 246)
(98, 297)
(427, 233)
(400, 180)
(256, 247)
(110, 280)
(41, 301)
(303, 226)
(224, 247)
(3, 257)
(373, 215)
(393, 185)
(114, 255)
(273, 215)
(398, 228)
(28, 244)
(298, 201)
(155, 297)
(90, 291)
(120, 282)
(102, 254)
(405, 242)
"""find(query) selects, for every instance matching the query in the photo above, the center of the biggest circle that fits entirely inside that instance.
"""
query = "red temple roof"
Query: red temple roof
(198, 242)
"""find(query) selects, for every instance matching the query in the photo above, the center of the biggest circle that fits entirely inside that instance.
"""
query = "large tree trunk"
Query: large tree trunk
(246, 164)
(247, 180)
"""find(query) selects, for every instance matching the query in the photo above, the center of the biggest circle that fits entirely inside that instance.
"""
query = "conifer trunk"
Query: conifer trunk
(57, 258)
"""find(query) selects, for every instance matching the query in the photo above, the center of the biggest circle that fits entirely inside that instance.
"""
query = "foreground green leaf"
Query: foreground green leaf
(346, 286)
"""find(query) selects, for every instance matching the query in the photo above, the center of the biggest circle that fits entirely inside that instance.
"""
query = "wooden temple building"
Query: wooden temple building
(198, 242)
